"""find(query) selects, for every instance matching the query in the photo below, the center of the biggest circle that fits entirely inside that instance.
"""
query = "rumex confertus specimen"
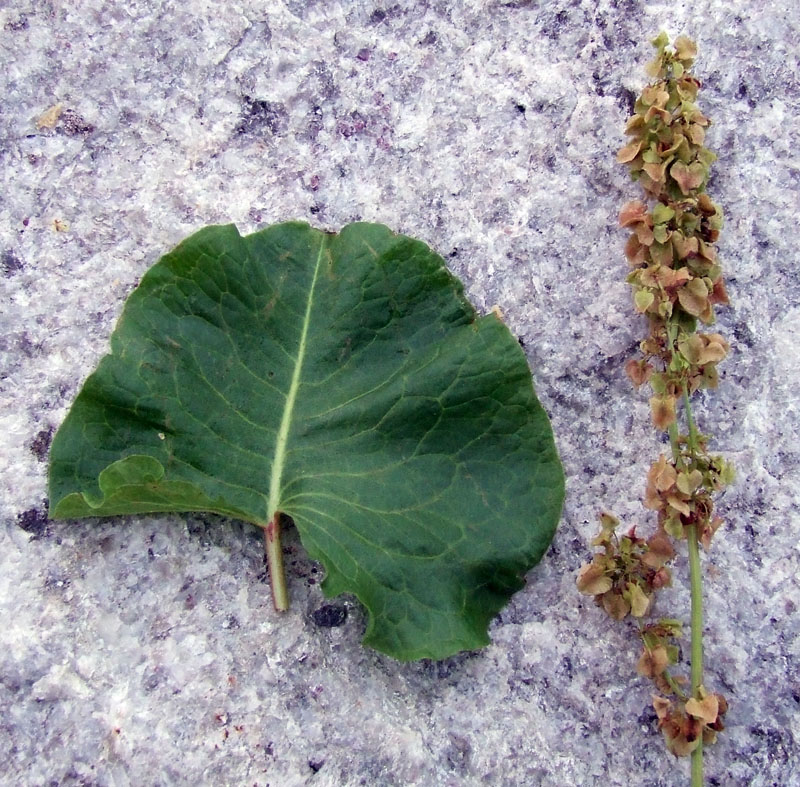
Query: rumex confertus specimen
(677, 281)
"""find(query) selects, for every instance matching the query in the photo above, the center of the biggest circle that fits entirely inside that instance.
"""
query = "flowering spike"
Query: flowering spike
(676, 281)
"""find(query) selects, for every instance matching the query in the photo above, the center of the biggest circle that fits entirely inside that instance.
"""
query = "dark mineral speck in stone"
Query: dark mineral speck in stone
(330, 616)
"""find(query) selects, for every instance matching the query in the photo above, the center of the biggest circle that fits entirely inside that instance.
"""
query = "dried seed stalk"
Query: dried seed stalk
(677, 281)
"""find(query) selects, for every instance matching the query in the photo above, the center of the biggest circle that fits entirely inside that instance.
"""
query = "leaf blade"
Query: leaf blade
(345, 381)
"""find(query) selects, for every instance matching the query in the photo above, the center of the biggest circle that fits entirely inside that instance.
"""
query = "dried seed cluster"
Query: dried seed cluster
(676, 281)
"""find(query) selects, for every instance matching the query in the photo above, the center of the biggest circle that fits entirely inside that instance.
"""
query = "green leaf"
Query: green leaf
(344, 381)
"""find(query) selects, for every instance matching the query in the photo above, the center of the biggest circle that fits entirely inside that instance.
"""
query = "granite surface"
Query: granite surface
(144, 651)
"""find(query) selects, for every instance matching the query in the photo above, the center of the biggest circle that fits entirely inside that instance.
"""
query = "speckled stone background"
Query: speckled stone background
(144, 651)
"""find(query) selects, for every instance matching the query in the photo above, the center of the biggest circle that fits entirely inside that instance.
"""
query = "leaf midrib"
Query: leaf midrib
(282, 439)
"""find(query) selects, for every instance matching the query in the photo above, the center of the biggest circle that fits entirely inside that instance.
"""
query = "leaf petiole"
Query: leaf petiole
(277, 574)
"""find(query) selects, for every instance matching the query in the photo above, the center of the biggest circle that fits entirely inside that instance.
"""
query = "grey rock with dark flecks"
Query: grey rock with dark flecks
(145, 650)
